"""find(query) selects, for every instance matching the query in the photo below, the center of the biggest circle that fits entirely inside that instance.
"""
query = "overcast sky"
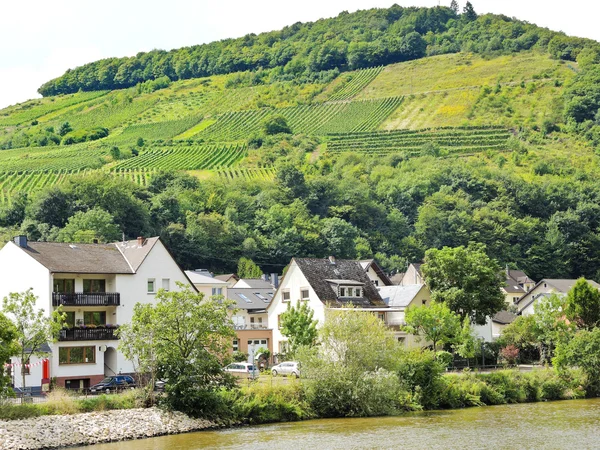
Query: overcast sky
(40, 39)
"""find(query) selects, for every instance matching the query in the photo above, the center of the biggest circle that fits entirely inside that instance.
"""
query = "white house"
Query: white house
(97, 286)
(399, 298)
(544, 288)
(206, 283)
(375, 273)
(323, 283)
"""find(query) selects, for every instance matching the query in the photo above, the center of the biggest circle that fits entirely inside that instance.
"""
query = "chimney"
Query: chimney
(21, 241)
(332, 259)
(140, 241)
(265, 277)
(275, 280)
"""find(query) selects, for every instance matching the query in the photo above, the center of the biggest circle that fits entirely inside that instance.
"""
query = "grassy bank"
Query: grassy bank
(61, 402)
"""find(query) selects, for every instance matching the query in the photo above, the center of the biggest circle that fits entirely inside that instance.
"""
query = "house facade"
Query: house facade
(206, 284)
(544, 288)
(413, 275)
(517, 284)
(97, 286)
(323, 284)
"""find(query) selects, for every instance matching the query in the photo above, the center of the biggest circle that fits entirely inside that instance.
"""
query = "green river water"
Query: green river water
(551, 425)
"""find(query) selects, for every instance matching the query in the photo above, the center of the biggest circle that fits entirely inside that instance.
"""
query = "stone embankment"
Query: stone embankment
(48, 432)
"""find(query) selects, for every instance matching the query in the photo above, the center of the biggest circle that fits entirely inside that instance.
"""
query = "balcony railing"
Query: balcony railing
(87, 334)
(86, 299)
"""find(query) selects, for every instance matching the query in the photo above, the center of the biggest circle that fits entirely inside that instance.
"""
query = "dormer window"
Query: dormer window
(350, 291)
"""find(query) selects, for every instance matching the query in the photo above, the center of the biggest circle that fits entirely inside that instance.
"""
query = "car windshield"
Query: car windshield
(106, 380)
(251, 368)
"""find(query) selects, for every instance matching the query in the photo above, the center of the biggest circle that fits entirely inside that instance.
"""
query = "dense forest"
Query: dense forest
(309, 50)
(487, 130)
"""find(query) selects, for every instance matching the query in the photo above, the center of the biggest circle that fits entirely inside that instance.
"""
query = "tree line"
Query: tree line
(361, 39)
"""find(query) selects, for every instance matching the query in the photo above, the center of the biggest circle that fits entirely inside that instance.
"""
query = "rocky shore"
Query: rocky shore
(48, 432)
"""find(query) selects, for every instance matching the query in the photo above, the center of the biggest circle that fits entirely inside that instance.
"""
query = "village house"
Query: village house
(399, 299)
(517, 284)
(97, 286)
(413, 275)
(544, 288)
(324, 284)
(205, 283)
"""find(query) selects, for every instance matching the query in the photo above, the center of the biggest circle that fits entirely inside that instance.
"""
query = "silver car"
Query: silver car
(286, 368)
(243, 370)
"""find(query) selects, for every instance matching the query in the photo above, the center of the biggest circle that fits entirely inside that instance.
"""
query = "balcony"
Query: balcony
(88, 334)
(86, 299)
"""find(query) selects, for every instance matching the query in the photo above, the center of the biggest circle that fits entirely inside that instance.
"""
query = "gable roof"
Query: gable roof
(515, 279)
(250, 298)
(399, 296)
(254, 283)
(78, 258)
(562, 286)
(227, 276)
(201, 278)
(321, 274)
(134, 253)
(504, 317)
(371, 263)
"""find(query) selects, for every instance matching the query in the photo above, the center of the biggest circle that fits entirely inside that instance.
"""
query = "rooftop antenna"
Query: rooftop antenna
(123, 237)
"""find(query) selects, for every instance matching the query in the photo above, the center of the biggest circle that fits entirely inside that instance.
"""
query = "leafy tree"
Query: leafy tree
(550, 326)
(466, 279)
(64, 128)
(248, 269)
(140, 142)
(275, 124)
(190, 338)
(434, 323)
(469, 12)
(298, 325)
(466, 344)
(34, 328)
(583, 305)
(454, 6)
(115, 153)
(53, 206)
(582, 351)
(339, 237)
(8, 348)
(87, 226)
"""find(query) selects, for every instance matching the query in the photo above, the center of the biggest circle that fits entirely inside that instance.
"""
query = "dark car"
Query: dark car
(113, 384)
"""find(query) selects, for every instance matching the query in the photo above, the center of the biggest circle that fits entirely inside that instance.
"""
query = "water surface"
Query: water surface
(550, 425)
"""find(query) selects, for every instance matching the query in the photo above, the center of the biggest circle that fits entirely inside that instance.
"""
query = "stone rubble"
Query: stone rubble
(48, 432)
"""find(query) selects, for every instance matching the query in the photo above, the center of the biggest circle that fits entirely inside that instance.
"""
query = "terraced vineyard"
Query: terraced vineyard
(257, 174)
(317, 119)
(411, 142)
(354, 82)
(155, 131)
(30, 181)
(187, 157)
(72, 157)
(138, 176)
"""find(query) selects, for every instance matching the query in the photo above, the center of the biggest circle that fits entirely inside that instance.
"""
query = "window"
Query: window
(402, 340)
(261, 296)
(285, 295)
(166, 284)
(342, 292)
(70, 319)
(283, 347)
(64, 285)
(423, 302)
(217, 291)
(77, 355)
(236, 345)
(381, 316)
(304, 294)
(357, 292)
(239, 321)
(244, 297)
(151, 289)
(93, 286)
(97, 318)
(376, 282)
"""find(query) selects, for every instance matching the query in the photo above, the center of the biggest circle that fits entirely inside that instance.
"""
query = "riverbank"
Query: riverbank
(96, 427)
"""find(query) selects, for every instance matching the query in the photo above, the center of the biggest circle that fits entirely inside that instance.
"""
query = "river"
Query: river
(571, 424)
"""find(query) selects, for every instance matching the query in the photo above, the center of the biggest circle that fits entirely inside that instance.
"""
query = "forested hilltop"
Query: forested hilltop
(484, 130)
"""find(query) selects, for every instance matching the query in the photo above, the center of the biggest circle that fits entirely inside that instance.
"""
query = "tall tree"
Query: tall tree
(248, 269)
(298, 325)
(34, 328)
(469, 12)
(454, 6)
(583, 304)
(466, 279)
(434, 323)
(190, 339)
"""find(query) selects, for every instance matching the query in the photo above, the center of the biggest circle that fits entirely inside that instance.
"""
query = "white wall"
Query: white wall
(133, 289)
(294, 280)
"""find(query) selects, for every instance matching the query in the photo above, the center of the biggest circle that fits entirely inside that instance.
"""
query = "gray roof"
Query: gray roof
(321, 274)
(255, 283)
(399, 296)
(396, 279)
(565, 285)
(515, 279)
(202, 278)
(504, 317)
(255, 298)
(78, 258)
(121, 257)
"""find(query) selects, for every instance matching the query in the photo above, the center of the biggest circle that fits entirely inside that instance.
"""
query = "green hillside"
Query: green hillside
(488, 135)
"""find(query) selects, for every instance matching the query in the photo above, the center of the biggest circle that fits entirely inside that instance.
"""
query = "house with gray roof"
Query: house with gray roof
(544, 288)
(97, 287)
(324, 284)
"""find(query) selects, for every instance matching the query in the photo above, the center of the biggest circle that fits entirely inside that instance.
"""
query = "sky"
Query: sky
(41, 39)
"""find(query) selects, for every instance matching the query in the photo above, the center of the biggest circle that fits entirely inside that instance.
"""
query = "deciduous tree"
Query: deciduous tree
(583, 304)
(298, 325)
(434, 323)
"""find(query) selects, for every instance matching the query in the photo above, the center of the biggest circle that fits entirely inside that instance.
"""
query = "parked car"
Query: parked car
(243, 370)
(286, 368)
(113, 384)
